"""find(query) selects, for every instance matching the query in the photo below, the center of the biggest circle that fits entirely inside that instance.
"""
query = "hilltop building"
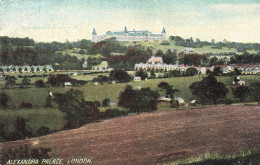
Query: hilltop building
(140, 35)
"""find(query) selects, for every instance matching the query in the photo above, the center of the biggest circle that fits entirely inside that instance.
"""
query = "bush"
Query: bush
(4, 98)
(43, 130)
(39, 84)
(106, 102)
(25, 105)
(165, 42)
(110, 113)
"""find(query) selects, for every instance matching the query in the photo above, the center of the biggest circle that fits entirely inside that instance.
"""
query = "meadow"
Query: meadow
(53, 118)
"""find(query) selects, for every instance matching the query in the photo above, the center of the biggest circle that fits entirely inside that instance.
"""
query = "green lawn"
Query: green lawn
(93, 92)
(37, 117)
(172, 46)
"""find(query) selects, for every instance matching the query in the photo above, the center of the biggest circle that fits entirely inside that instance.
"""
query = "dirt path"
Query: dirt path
(158, 136)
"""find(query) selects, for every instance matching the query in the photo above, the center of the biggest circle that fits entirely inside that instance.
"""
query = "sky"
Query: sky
(61, 20)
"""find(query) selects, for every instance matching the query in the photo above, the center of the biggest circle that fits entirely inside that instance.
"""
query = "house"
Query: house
(67, 84)
(188, 50)
(126, 35)
(180, 101)
(137, 78)
(155, 60)
(103, 66)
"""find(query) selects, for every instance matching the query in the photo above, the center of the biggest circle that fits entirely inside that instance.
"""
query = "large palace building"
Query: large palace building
(140, 35)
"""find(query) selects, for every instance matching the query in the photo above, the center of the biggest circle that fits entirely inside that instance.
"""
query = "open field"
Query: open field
(93, 92)
(161, 136)
(172, 46)
(37, 117)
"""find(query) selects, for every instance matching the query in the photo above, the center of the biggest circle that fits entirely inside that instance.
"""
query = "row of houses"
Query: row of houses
(156, 63)
(27, 68)
(244, 68)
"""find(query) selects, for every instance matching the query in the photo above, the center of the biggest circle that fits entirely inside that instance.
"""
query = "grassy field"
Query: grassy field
(53, 118)
(79, 56)
(157, 137)
(99, 92)
(172, 46)
(37, 117)
(242, 157)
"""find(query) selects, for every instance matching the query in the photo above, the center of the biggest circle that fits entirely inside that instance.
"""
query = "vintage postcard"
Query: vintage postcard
(129, 82)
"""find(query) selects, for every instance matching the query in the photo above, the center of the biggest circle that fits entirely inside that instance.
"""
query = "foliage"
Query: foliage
(242, 157)
(4, 98)
(106, 102)
(21, 129)
(10, 81)
(26, 81)
(208, 89)
(254, 91)
(119, 75)
(43, 130)
(26, 105)
(191, 58)
(58, 79)
(240, 92)
(191, 71)
(110, 113)
(152, 74)
(169, 88)
(217, 71)
(141, 73)
(165, 42)
(48, 103)
(101, 79)
(132, 56)
(170, 57)
(39, 84)
(72, 104)
(143, 100)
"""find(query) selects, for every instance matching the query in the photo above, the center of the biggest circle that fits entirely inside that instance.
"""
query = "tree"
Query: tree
(4, 98)
(191, 71)
(142, 74)
(127, 97)
(119, 75)
(240, 92)
(209, 89)
(168, 88)
(59, 79)
(39, 84)
(10, 81)
(72, 104)
(26, 81)
(159, 53)
(170, 57)
(143, 100)
(152, 74)
(106, 102)
(254, 90)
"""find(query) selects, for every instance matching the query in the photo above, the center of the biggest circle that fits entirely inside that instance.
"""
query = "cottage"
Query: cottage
(137, 78)
(67, 84)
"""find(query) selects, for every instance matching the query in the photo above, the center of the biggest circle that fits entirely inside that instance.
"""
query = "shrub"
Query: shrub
(43, 130)
(110, 113)
(39, 84)
(106, 102)
(4, 98)
(25, 105)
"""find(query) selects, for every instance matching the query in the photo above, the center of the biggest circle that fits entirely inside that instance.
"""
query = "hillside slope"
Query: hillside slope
(145, 138)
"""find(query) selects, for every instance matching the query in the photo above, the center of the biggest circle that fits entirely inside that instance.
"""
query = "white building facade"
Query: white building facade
(141, 35)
